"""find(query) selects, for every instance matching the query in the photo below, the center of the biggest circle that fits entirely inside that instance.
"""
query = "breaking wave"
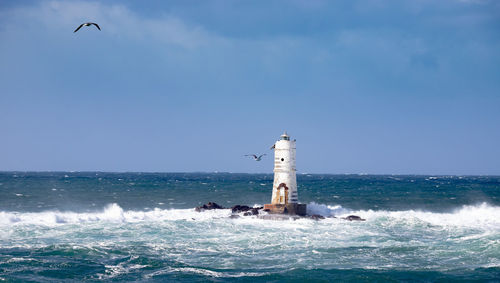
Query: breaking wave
(166, 243)
(481, 215)
(111, 213)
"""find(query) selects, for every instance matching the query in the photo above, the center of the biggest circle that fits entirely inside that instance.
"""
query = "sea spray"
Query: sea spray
(481, 216)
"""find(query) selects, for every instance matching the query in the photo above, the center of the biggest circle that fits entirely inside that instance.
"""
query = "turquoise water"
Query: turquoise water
(69, 226)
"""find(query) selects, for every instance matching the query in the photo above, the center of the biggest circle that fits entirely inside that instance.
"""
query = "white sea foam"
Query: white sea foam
(325, 210)
(203, 271)
(468, 236)
(480, 215)
(111, 213)
(474, 216)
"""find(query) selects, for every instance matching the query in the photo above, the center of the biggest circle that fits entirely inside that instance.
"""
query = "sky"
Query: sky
(372, 86)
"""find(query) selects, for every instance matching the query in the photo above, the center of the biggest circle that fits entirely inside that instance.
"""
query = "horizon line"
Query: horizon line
(248, 173)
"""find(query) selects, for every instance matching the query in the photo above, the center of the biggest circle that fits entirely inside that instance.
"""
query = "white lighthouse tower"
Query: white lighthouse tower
(285, 197)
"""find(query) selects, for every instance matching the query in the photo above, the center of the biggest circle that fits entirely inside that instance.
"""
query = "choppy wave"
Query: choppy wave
(111, 213)
(119, 244)
(205, 272)
(481, 215)
(114, 235)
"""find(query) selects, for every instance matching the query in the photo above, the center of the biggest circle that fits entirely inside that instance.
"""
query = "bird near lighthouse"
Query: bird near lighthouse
(86, 25)
(255, 157)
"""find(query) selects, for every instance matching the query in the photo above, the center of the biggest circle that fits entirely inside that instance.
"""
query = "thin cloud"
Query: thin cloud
(116, 20)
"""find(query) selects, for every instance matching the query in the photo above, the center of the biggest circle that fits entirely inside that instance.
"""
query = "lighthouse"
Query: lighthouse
(284, 198)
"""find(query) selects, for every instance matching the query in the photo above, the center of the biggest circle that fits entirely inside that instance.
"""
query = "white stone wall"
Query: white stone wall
(284, 170)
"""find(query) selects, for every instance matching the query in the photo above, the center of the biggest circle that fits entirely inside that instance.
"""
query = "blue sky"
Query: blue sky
(383, 87)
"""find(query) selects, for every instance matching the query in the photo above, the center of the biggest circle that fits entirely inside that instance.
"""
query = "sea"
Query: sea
(97, 226)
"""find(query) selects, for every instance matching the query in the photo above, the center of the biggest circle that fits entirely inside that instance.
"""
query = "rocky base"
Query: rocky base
(208, 206)
(275, 211)
(247, 209)
(353, 218)
(235, 209)
(290, 209)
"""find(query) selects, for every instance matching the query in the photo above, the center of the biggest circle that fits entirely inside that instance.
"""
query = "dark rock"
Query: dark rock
(234, 216)
(240, 208)
(353, 218)
(246, 209)
(317, 217)
(208, 206)
(255, 211)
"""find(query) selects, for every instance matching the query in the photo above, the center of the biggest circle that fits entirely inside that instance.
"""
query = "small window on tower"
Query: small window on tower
(282, 159)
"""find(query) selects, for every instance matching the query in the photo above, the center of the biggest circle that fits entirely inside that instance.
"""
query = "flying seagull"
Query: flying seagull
(87, 24)
(257, 158)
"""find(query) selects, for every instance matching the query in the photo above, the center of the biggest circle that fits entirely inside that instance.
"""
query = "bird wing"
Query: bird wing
(262, 155)
(96, 25)
(79, 27)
